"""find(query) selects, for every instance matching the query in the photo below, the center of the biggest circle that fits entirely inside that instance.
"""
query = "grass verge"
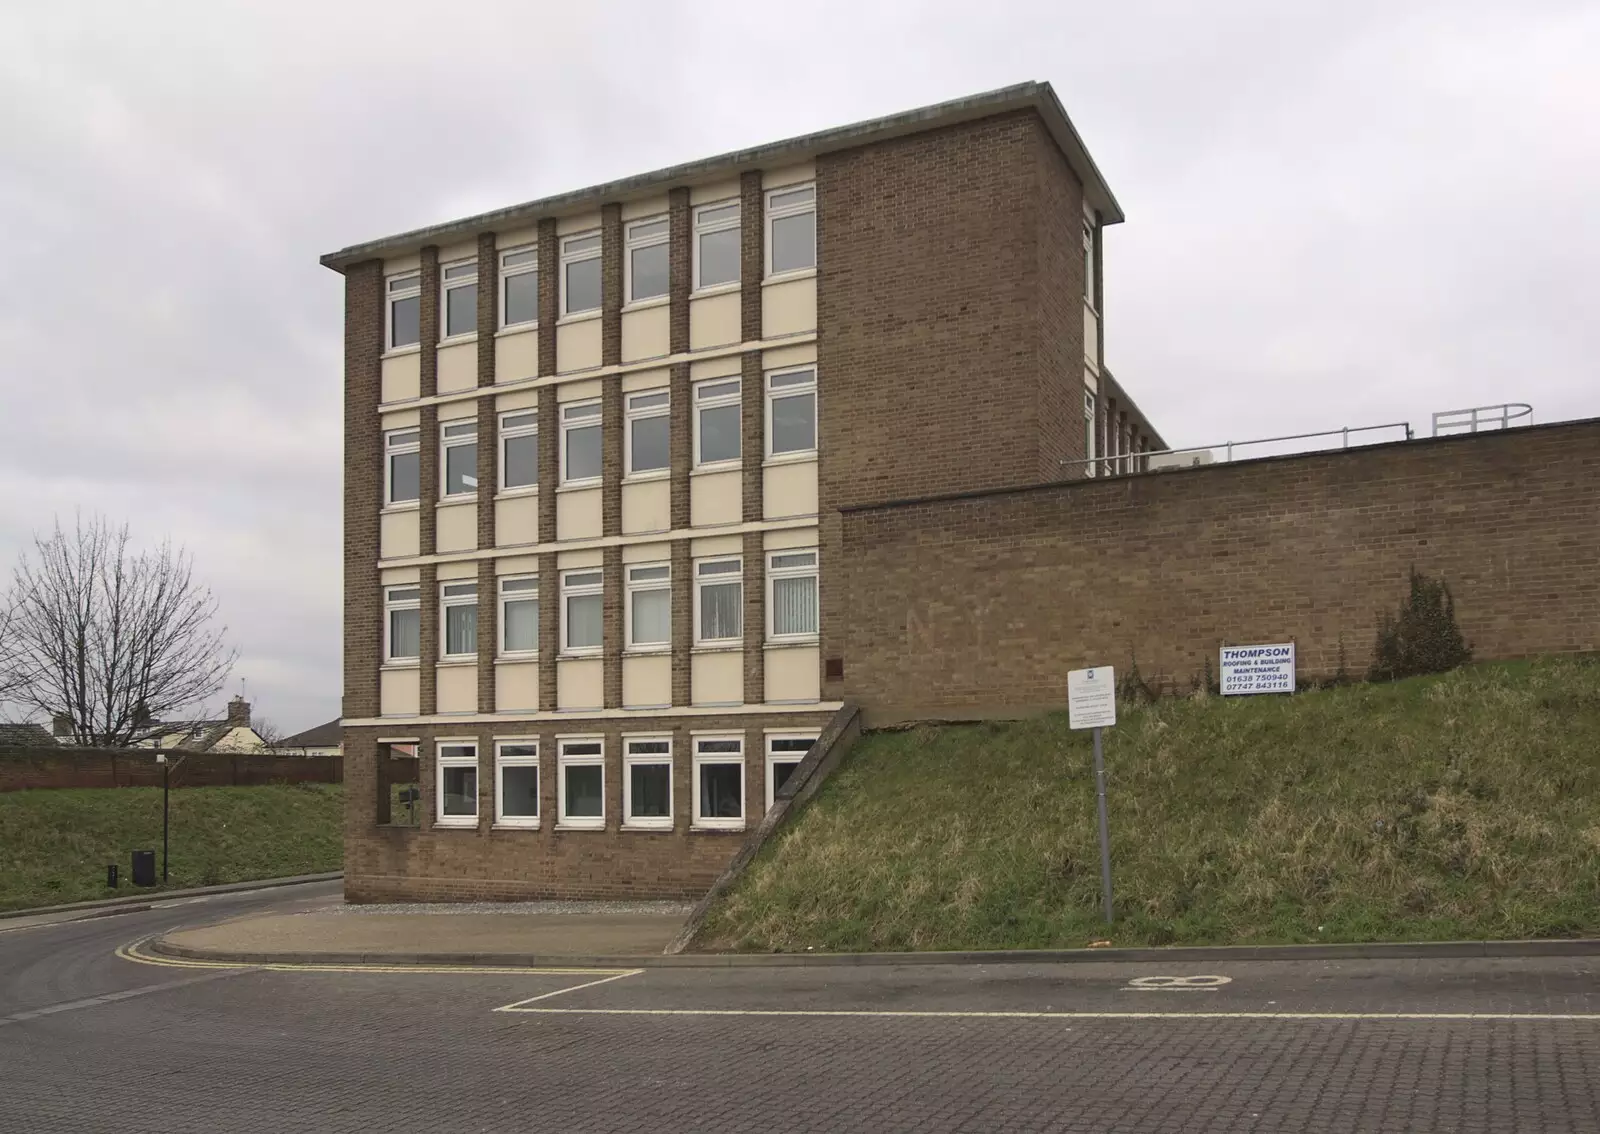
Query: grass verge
(55, 844)
(1460, 806)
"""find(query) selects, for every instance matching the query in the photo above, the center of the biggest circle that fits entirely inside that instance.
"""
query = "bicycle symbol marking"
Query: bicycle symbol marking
(1176, 983)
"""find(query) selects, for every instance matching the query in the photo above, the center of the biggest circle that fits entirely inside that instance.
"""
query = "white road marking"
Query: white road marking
(111, 997)
(1590, 1017)
(1176, 983)
(518, 1006)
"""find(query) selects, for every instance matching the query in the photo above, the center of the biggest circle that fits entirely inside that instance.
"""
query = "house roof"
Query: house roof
(1033, 95)
(329, 735)
(192, 736)
(26, 736)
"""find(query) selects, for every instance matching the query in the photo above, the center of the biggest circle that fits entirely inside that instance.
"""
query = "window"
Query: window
(457, 784)
(650, 606)
(519, 286)
(792, 412)
(646, 259)
(716, 245)
(516, 783)
(402, 624)
(403, 312)
(719, 601)
(791, 229)
(647, 782)
(458, 457)
(784, 753)
(583, 603)
(580, 274)
(519, 614)
(648, 440)
(716, 422)
(519, 450)
(791, 595)
(458, 604)
(458, 298)
(1088, 432)
(580, 764)
(402, 466)
(719, 782)
(1091, 292)
(580, 443)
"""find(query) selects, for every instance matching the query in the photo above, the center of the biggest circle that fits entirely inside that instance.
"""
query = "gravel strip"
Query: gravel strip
(662, 909)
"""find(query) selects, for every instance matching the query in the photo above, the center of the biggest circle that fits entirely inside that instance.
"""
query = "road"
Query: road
(90, 1041)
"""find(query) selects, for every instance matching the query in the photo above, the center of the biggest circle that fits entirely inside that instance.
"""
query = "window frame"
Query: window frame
(447, 441)
(631, 415)
(521, 595)
(449, 601)
(520, 760)
(699, 760)
(512, 433)
(1091, 280)
(440, 763)
(1091, 432)
(446, 286)
(583, 256)
(391, 604)
(392, 449)
(718, 401)
(632, 244)
(597, 422)
(718, 579)
(570, 591)
(799, 389)
(770, 214)
(631, 588)
(775, 758)
(392, 295)
(812, 572)
(630, 760)
(564, 761)
(507, 271)
(700, 229)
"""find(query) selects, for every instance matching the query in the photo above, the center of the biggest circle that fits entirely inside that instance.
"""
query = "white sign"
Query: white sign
(1092, 697)
(1258, 669)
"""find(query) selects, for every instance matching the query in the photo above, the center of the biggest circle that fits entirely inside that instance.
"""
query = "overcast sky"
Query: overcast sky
(1338, 214)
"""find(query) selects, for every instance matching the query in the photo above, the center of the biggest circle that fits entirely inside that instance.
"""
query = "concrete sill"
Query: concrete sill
(570, 827)
(513, 826)
(516, 329)
(717, 830)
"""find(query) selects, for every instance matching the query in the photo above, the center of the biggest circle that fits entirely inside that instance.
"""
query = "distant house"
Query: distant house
(323, 740)
(25, 736)
(232, 734)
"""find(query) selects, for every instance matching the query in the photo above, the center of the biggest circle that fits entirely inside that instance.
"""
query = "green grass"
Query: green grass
(55, 844)
(1460, 806)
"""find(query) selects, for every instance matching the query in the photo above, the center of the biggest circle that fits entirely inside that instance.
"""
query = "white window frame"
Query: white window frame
(799, 571)
(717, 823)
(519, 261)
(440, 763)
(519, 760)
(630, 758)
(565, 760)
(1091, 431)
(632, 244)
(453, 435)
(705, 228)
(1091, 298)
(568, 258)
(643, 405)
(791, 210)
(571, 590)
(790, 390)
(394, 446)
(523, 428)
(714, 401)
(519, 592)
(404, 596)
(401, 285)
(638, 581)
(447, 284)
(774, 758)
(588, 420)
(455, 593)
(718, 578)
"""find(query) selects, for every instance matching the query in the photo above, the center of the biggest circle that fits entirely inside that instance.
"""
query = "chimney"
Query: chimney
(61, 726)
(238, 713)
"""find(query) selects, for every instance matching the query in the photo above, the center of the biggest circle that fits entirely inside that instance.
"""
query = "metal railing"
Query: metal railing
(1117, 464)
(1479, 418)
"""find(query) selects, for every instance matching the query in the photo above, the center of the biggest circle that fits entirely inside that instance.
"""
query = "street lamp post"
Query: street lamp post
(166, 784)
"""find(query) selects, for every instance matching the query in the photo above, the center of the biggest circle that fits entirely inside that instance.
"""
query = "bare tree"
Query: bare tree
(111, 637)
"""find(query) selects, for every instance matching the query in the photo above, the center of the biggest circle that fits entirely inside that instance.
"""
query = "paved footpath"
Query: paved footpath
(90, 1041)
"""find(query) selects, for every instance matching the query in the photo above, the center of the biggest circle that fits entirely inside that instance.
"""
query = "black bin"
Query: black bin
(144, 868)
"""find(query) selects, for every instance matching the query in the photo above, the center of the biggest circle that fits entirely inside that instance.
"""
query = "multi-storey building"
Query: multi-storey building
(595, 446)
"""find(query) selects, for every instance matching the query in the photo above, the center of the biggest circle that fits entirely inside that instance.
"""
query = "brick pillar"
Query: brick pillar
(755, 620)
(680, 443)
(611, 299)
(613, 765)
(429, 328)
(682, 778)
(428, 481)
(752, 442)
(1122, 439)
(549, 461)
(488, 470)
(548, 803)
(752, 260)
(680, 268)
(611, 455)
(488, 306)
(363, 496)
(755, 775)
(488, 634)
(682, 620)
(428, 700)
(549, 629)
(612, 628)
(549, 296)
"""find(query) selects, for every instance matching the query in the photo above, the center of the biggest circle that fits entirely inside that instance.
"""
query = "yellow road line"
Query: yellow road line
(953, 1015)
(134, 952)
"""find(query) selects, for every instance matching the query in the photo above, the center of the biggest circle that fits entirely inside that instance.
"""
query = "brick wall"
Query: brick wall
(23, 769)
(985, 602)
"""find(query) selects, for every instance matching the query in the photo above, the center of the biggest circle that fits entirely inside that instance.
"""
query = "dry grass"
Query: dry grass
(1461, 806)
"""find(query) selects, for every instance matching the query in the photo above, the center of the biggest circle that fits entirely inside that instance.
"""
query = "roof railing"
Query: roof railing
(1115, 464)
(1476, 419)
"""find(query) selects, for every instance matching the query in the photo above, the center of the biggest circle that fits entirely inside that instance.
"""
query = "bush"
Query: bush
(1423, 638)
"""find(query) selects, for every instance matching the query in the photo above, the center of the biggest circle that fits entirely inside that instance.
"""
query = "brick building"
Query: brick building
(596, 451)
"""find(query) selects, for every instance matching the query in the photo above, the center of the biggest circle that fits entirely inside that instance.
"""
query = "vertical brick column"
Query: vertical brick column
(613, 766)
(682, 620)
(611, 438)
(752, 259)
(547, 779)
(755, 775)
(682, 779)
(488, 634)
(428, 480)
(549, 296)
(611, 298)
(488, 469)
(549, 461)
(549, 629)
(429, 322)
(680, 442)
(680, 268)
(488, 306)
(428, 700)
(755, 620)
(363, 490)
(612, 628)
(752, 434)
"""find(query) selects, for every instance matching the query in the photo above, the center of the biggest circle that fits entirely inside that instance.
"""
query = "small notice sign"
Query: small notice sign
(1092, 697)
(1258, 669)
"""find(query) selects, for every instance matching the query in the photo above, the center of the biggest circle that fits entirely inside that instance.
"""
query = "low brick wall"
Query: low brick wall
(24, 769)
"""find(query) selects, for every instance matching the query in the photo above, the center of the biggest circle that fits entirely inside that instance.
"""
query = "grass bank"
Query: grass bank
(55, 844)
(1459, 806)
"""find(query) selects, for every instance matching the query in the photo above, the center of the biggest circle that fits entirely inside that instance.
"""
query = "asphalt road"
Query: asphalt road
(90, 1041)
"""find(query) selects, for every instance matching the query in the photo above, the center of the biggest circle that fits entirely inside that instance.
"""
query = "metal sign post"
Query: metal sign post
(1105, 832)
(1092, 704)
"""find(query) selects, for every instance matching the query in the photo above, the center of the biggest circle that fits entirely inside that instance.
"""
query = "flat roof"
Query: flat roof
(1037, 96)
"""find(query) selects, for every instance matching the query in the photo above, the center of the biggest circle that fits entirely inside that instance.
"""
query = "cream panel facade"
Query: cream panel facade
(646, 333)
(716, 545)
(728, 366)
(792, 175)
(578, 391)
(458, 688)
(656, 551)
(516, 520)
(571, 560)
(793, 674)
(399, 692)
(522, 399)
(399, 576)
(566, 226)
(644, 207)
(397, 264)
(461, 569)
(516, 687)
(466, 250)
(402, 377)
(578, 345)
(789, 489)
(456, 528)
(517, 565)
(801, 354)
(516, 238)
(646, 380)
(1091, 336)
(516, 355)
(714, 191)
(789, 308)
(714, 320)
(790, 537)
(646, 507)
(578, 514)
(458, 367)
(580, 683)
(1091, 380)
(716, 498)
(400, 419)
(717, 678)
(399, 535)
(647, 682)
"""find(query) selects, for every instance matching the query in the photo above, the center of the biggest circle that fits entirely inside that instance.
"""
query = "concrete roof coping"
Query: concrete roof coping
(1039, 96)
